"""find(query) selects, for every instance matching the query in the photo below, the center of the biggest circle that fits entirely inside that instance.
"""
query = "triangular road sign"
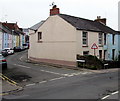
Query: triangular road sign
(94, 46)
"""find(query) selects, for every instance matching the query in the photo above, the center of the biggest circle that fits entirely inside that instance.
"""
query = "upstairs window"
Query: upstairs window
(100, 39)
(39, 36)
(85, 38)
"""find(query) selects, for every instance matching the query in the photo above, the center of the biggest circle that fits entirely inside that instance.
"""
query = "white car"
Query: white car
(9, 50)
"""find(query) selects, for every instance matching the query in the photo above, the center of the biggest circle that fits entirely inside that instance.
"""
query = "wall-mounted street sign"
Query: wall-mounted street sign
(94, 46)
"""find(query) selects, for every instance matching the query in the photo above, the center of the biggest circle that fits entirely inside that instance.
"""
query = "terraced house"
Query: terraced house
(11, 35)
(61, 37)
(0, 35)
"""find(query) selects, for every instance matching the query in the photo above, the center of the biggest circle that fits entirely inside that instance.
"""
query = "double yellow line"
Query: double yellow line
(6, 78)
(3, 77)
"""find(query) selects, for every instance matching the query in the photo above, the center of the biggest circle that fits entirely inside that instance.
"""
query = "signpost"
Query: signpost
(94, 46)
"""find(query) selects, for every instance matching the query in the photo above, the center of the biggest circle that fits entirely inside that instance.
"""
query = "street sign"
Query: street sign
(94, 46)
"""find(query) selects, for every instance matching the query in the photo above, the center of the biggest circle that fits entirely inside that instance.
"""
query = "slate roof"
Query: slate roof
(88, 25)
(13, 26)
(36, 26)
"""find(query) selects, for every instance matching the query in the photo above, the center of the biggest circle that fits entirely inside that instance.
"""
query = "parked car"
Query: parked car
(3, 62)
(9, 50)
(4, 53)
(26, 45)
(23, 48)
(17, 49)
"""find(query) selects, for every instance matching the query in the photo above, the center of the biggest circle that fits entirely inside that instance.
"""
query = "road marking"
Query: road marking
(63, 76)
(68, 75)
(110, 95)
(53, 72)
(56, 78)
(31, 84)
(115, 92)
(22, 66)
(21, 58)
(105, 97)
(42, 81)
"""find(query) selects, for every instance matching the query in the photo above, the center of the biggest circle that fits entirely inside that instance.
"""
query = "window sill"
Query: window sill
(85, 46)
(100, 45)
(39, 41)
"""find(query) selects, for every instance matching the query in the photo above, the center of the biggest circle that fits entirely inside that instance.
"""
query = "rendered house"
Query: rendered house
(11, 34)
(61, 37)
(6, 36)
(1, 36)
(111, 40)
(17, 34)
(112, 46)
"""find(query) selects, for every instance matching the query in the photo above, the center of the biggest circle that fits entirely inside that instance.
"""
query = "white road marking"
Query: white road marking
(21, 58)
(42, 81)
(105, 97)
(53, 72)
(115, 92)
(56, 78)
(110, 95)
(30, 84)
(63, 76)
(22, 66)
(68, 75)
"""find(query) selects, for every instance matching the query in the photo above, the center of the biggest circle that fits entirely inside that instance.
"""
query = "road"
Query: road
(47, 82)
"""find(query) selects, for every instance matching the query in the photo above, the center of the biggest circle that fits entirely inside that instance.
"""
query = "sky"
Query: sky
(29, 12)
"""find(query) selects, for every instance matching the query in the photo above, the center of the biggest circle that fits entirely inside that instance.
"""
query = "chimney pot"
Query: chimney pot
(54, 10)
(101, 20)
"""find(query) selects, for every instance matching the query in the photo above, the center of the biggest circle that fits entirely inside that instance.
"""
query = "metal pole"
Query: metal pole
(94, 53)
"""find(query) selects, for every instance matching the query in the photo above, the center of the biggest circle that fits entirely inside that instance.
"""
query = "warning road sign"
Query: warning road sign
(94, 46)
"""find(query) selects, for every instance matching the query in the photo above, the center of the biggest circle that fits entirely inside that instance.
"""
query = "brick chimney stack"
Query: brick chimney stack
(54, 10)
(101, 20)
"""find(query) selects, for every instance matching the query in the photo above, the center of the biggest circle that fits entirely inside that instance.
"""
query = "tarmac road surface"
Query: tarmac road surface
(47, 82)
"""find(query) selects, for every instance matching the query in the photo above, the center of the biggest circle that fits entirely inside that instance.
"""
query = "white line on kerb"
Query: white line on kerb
(21, 66)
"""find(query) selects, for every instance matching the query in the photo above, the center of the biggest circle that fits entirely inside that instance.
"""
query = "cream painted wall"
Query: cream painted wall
(92, 38)
(58, 41)
(32, 40)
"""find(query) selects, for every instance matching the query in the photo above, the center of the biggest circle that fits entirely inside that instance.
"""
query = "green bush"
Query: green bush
(92, 62)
